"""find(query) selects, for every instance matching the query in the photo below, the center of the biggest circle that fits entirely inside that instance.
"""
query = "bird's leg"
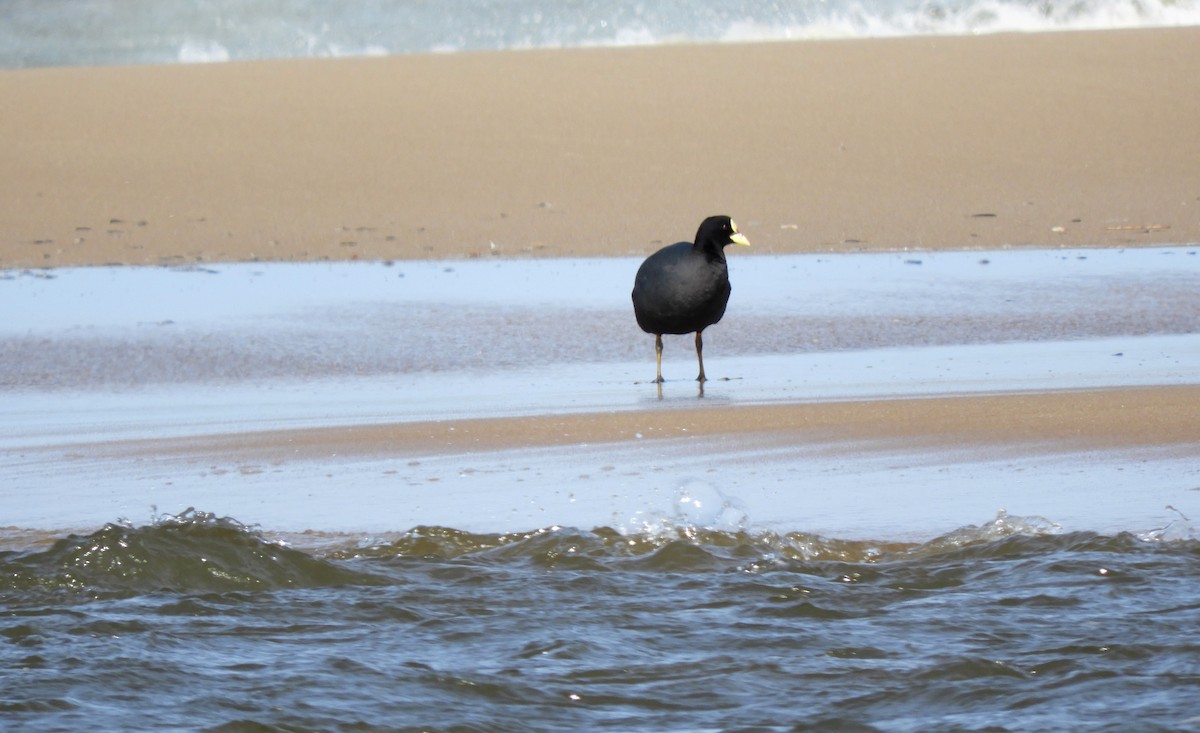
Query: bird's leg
(700, 357)
(658, 355)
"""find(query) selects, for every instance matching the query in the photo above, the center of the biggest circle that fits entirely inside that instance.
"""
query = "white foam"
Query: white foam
(195, 51)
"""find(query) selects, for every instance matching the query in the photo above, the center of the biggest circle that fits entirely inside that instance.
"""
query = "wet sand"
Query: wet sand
(1076, 420)
(858, 394)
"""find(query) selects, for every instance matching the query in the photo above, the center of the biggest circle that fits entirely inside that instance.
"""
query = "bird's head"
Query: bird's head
(719, 231)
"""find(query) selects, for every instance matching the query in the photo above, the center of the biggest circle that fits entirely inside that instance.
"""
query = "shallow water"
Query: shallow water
(97, 355)
(121, 327)
(643, 585)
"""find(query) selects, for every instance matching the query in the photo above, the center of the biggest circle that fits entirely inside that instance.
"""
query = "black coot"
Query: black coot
(684, 287)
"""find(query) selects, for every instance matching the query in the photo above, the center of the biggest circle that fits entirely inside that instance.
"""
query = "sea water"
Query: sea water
(89, 32)
(195, 622)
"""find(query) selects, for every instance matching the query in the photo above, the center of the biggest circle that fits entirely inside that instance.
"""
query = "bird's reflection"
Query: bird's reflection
(699, 390)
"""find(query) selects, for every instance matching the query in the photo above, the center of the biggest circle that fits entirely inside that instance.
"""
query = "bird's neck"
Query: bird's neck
(711, 253)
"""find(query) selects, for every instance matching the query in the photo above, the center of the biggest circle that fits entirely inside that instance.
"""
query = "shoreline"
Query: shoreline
(1041, 140)
(897, 469)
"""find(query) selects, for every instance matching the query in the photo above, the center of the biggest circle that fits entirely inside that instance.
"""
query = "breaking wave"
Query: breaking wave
(202, 552)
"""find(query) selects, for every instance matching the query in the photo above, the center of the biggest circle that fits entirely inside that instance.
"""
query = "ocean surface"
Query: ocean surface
(37, 33)
(641, 585)
(195, 622)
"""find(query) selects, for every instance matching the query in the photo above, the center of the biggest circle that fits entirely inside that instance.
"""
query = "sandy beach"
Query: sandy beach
(1052, 140)
(1048, 140)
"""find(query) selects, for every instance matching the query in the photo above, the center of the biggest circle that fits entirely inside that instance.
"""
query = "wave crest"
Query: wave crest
(191, 551)
(202, 552)
(680, 545)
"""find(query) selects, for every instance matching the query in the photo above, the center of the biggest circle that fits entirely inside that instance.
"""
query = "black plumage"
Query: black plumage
(684, 287)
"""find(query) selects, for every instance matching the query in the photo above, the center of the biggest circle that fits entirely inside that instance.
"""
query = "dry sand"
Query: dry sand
(1046, 139)
(1039, 140)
